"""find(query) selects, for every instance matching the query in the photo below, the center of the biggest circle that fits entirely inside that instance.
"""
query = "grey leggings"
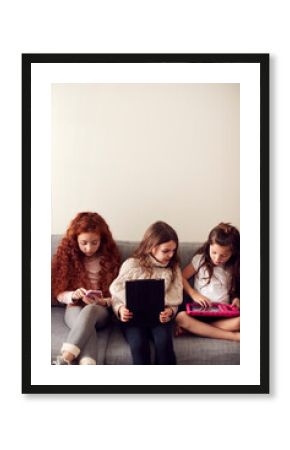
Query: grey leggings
(83, 322)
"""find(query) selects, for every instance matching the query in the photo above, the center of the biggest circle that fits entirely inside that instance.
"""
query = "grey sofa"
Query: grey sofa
(113, 348)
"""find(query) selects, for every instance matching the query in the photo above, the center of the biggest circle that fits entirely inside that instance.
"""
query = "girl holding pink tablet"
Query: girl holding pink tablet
(216, 271)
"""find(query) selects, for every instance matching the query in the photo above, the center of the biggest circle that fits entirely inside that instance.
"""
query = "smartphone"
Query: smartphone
(94, 294)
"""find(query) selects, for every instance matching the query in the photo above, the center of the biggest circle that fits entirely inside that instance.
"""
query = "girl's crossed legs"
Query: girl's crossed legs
(218, 329)
(82, 338)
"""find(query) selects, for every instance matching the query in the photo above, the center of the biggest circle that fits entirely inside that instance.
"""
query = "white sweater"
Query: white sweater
(131, 270)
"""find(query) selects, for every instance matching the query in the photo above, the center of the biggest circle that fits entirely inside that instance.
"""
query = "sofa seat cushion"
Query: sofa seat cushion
(113, 348)
(205, 351)
(118, 350)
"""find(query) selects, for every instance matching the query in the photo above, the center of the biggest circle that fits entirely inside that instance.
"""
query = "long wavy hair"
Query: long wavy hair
(225, 235)
(68, 270)
(158, 233)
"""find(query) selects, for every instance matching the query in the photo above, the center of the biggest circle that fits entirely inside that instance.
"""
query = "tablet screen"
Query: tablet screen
(145, 298)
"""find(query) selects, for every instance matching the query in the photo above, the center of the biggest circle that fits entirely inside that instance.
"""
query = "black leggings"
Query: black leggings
(138, 338)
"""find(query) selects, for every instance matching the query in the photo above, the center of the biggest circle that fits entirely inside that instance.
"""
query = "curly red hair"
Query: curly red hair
(68, 271)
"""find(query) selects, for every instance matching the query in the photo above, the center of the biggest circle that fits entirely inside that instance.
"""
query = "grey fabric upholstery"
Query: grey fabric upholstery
(204, 351)
(186, 249)
(113, 348)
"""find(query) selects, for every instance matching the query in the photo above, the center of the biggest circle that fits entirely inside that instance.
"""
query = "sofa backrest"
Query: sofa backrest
(186, 249)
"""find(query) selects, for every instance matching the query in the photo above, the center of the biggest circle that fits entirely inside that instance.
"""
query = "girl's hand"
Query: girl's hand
(90, 300)
(236, 302)
(202, 300)
(104, 301)
(124, 314)
(166, 314)
(79, 294)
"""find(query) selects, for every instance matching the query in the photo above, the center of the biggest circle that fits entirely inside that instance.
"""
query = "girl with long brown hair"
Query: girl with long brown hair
(155, 258)
(216, 271)
(86, 262)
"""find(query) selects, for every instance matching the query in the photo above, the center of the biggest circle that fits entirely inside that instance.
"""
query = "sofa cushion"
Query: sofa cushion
(191, 349)
(113, 348)
(188, 350)
(186, 249)
(118, 351)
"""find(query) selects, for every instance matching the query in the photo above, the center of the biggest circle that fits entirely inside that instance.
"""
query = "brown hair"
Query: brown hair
(225, 235)
(158, 233)
(68, 270)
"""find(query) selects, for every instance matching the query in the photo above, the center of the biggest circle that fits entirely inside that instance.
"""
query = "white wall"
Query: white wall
(137, 153)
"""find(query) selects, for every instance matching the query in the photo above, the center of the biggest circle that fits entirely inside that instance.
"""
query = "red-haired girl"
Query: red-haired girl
(87, 260)
(216, 271)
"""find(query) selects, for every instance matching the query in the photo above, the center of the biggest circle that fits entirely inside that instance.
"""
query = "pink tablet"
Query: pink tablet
(216, 310)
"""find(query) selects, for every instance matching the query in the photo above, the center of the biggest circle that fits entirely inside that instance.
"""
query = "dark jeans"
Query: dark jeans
(138, 338)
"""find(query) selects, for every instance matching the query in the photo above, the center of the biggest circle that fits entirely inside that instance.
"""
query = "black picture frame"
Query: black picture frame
(263, 61)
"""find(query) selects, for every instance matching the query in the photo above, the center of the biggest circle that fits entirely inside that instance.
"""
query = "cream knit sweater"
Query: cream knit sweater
(131, 270)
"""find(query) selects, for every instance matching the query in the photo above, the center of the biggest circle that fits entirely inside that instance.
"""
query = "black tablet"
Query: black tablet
(145, 298)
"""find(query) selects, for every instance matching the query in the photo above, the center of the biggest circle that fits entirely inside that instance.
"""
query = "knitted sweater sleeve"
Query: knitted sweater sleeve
(65, 297)
(117, 288)
(173, 296)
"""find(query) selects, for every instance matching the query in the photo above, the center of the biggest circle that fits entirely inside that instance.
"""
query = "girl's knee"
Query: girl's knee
(95, 314)
(234, 324)
(89, 309)
(181, 317)
(237, 324)
(102, 316)
(95, 310)
(88, 313)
